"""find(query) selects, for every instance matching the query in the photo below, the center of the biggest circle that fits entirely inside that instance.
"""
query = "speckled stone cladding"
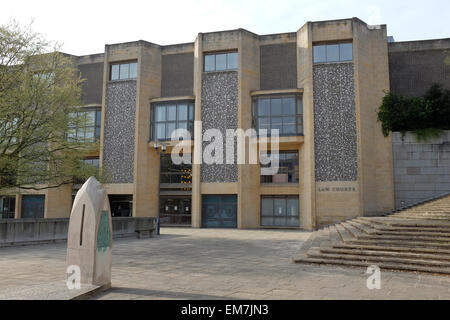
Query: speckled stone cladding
(118, 148)
(219, 111)
(335, 122)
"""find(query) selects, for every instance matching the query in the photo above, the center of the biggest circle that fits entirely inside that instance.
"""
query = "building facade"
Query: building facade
(320, 86)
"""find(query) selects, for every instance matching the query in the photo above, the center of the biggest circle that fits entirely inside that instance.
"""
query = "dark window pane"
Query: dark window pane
(333, 53)
(133, 70)
(171, 112)
(160, 113)
(267, 207)
(115, 72)
(279, 207)
(277, 123)
(160, 131)
(98, 118)
(182, 111)
(210, 62)
(232, 60)
(191, 112)
(275, 106)
(264, 123)
(320, 54)
(124, 71)
(170, 128)
(346, 52)
(221, 61)
(264, 107)
(288, 106)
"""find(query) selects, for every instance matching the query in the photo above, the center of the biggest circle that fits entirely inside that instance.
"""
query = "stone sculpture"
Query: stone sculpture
(89, 242)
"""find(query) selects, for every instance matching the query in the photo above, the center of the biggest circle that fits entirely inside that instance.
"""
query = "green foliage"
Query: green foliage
(425, 116)
(39, 91)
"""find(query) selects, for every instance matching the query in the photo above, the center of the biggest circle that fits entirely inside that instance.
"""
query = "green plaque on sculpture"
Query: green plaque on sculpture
(103, 235)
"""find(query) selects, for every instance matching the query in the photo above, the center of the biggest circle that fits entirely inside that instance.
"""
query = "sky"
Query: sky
(84, 26)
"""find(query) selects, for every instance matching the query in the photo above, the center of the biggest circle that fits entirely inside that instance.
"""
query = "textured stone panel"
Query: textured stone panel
(335, 122)
(177, 75)
(219, 111)
(278, 66)
(118, 148)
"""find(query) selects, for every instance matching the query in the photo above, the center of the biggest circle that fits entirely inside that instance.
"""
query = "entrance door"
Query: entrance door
(219, 211)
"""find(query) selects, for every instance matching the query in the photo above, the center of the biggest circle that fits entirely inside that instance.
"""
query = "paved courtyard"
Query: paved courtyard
(188, 263)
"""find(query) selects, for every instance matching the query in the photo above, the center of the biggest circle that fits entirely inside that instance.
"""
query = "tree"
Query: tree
(425, 116)
(39, 91)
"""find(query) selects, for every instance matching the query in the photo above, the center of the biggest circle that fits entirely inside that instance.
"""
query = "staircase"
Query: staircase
(416, 239)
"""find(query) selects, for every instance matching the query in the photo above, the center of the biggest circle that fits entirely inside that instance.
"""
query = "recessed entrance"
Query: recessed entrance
(219, 211)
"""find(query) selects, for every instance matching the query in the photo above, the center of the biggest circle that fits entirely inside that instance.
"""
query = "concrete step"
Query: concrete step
(379, 259)
(362, 226)
(393, 248)
(406, 238)
(412, 229)
(351, 229)
(335, 237)
(345, 235)
(408, 233)
(401, 243)
(393, 254)
(382, 266)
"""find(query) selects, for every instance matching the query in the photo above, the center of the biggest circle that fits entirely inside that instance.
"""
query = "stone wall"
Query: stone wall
(120, 115)
(33, 231)
(177, 75)
(421, 169)
(415, 65)
(278, 66)
(219, 111)
(335, 122)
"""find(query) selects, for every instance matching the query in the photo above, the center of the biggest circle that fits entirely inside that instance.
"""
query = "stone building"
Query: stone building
(320, 86)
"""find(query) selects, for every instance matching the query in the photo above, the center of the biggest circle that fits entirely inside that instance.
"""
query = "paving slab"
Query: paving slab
(186, 263)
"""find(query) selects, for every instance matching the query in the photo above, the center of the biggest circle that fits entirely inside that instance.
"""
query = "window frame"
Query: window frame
(119, 65)
(11, 203)
(215, 54)
(298, 98)
(96, 125)
(328, 44)
(295, 176)
(273, 215)
(154, 122)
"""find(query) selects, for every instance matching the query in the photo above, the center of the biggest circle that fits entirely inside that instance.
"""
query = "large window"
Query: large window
(175, 173)
(123, 71)
(333, 52)
(169, 116)
(7, 207)
(282, 211)
(85, 125)
(287, 171)
(278, 112)
(221, 61)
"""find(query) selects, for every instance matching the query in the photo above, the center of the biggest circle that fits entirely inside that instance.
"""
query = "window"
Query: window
(84, 125)
(95, 162)
(333, 52)
(121, 205)
(175, 173)
(123, 71)
(33, 206)
(7, 207)
(175, 210)
(169, 116)
(221, 61)
(288, 169)
(278, 112)
(280, 211)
